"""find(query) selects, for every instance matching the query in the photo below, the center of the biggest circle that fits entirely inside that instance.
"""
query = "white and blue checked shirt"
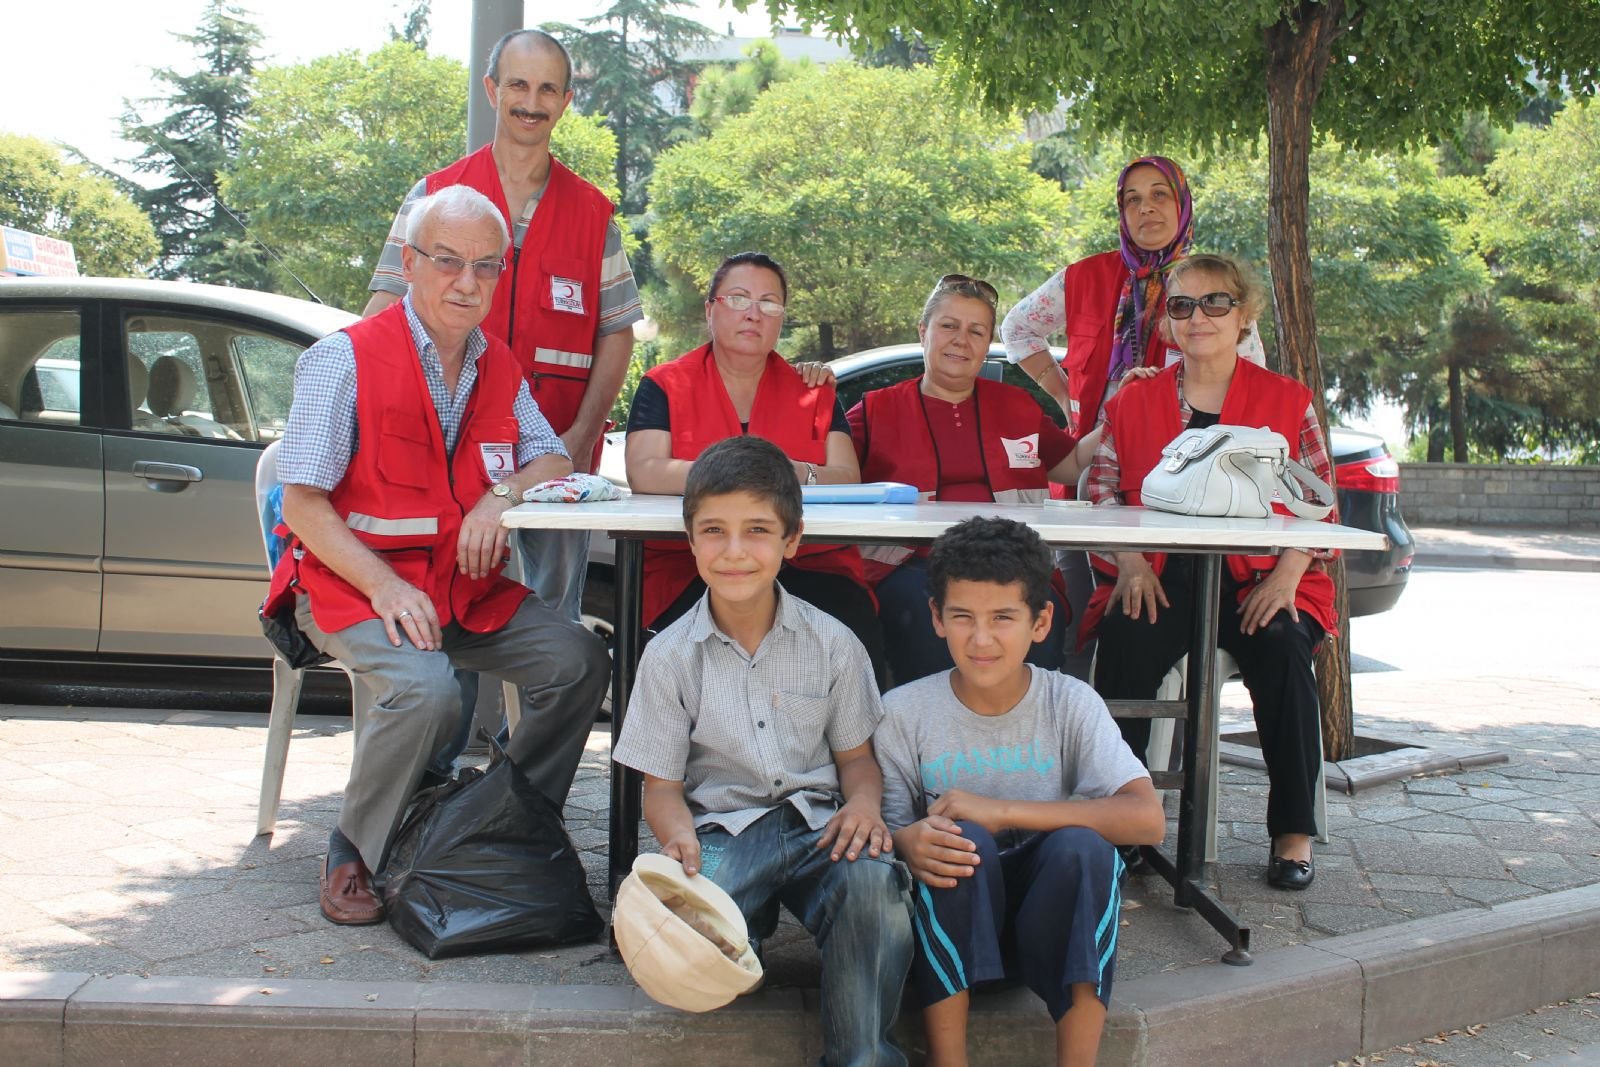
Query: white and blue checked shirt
(747, 733)
(322, 435)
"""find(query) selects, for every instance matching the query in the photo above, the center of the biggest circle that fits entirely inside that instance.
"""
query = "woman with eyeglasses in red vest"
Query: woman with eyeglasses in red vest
(734, 384)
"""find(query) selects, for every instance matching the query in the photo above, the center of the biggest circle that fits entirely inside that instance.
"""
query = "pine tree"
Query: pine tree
(196, 138)
(624, 65)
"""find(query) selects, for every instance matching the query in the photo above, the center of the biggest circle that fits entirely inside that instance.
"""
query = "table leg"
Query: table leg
(626, 801)
(1200, 725)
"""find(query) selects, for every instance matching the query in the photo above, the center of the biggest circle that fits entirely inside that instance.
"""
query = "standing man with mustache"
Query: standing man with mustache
(569, 303)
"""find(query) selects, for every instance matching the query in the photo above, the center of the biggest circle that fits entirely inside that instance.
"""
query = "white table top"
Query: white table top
(1121, 527)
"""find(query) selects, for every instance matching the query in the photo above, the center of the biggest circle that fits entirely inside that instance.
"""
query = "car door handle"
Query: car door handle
(154, 471)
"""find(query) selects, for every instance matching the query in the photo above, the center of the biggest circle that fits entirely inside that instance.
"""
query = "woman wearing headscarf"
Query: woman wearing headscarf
(1109, 305)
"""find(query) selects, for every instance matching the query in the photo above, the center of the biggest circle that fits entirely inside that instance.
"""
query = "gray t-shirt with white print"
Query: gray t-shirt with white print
(1058, 742)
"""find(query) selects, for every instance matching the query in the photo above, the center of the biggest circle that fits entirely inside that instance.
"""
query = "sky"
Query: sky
(65, 79)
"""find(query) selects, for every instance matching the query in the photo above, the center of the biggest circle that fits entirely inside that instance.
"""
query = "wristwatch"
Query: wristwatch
(502, 490)
(811, 474)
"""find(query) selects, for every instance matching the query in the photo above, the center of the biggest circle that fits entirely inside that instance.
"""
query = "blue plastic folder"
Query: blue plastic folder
(862, 493)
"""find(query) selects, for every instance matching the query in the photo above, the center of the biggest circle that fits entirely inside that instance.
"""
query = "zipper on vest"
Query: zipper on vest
(511, 315)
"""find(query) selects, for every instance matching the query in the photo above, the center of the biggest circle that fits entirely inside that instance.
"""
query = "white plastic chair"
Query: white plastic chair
(1160, 754)
(286, 680)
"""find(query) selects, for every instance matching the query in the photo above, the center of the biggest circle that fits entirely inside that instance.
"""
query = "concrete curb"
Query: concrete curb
(1304, 1005)
(1502, 560)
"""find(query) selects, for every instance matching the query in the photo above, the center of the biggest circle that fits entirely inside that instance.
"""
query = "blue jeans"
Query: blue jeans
(554, 565)
(859, 912)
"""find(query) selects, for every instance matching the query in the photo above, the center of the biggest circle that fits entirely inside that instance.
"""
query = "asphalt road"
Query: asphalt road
(1477, 622)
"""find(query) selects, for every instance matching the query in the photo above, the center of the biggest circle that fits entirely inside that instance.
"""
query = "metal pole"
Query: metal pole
(491, 20)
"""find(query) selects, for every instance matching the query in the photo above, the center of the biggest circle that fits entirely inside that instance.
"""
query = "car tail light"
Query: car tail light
(1381, 475)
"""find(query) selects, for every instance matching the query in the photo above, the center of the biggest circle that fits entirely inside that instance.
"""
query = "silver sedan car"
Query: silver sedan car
(132, 414)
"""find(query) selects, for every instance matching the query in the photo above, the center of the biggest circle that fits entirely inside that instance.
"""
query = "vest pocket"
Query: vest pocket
(405, 449)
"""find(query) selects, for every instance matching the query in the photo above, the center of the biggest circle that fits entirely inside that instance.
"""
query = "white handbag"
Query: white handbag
(1233, 471)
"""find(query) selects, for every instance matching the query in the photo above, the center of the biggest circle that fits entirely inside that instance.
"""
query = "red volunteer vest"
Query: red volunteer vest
(906, 451)
(548, 310)
(401, 496)
(1092, 288)
(1144, 417)
(788, 414)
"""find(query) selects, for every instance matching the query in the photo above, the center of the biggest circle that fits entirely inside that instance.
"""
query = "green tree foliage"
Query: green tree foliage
(865, 211)
(1375, 74)
(331, 147)
(42, 193)
(192, 141)
(723, 92)
(413, 25)
(625, 59)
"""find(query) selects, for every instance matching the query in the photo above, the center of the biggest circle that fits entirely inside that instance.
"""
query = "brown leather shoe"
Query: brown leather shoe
(347, 896)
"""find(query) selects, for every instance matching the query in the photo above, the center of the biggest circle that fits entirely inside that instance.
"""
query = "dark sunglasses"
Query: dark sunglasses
(1215, 305)
(962, 281)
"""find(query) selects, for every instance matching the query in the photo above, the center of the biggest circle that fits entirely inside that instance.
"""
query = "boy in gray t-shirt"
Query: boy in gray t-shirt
(1007, 787)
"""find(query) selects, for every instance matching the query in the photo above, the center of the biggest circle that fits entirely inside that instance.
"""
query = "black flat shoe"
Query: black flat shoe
(1290, 874)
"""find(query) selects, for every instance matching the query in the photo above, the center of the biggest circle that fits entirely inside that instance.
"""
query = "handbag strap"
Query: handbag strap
(1296, 478)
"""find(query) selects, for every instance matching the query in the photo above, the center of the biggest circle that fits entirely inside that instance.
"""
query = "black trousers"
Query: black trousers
(835, 594)
(1275, 662)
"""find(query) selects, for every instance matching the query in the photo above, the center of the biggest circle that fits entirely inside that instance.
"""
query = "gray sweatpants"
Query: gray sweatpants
(409, 706)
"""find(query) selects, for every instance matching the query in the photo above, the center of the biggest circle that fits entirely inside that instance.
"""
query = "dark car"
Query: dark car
(132, 414)
(1367, 476)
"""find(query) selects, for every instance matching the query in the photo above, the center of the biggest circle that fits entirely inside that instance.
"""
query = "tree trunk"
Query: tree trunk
(1298, 51)
(825, 339)
(1458, 413)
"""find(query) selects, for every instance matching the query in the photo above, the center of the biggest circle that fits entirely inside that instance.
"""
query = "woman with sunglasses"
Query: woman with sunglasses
(1109, 305)
(737, 383)
(1275, 610)
(955, 435)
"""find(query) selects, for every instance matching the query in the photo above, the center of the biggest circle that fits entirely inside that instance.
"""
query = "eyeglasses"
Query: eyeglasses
(740, 302)
(486, 270)
(985, 291)
(1215, 305)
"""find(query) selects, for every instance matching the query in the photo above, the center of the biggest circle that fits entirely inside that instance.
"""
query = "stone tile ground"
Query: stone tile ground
(126, 843)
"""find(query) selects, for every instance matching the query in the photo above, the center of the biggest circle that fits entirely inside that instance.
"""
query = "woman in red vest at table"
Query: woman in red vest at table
(956, 436)
(737, 384)
(1275, 610)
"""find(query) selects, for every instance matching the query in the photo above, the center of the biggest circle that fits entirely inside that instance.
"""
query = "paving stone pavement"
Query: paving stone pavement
(126, 842)
(1565, 1034)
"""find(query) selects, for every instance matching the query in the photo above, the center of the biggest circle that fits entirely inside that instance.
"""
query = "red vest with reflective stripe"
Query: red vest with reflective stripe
(900, 446)
(401, 496)
(547, 308)
(1144, 417)
(788, 414)
(1092, 288)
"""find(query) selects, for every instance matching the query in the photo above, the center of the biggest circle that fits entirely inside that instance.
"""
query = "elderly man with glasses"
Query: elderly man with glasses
(410, 435)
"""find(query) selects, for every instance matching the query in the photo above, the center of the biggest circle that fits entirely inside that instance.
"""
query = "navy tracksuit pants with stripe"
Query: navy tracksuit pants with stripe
(1045, 912)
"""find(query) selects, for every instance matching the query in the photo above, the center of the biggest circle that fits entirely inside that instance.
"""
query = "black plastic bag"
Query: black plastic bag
(286, 636)
(483, 863)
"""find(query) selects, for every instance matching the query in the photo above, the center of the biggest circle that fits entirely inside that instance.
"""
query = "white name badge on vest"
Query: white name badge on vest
(566, 295)
(498, 461)
(1022, 451)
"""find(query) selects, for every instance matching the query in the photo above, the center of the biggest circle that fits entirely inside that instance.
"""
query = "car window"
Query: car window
(268, 365)
(1012, 374)
(210, 379)
(853, 387)
(40, 373)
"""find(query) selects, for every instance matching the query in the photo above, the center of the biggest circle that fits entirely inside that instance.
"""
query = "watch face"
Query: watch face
(501, 489)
